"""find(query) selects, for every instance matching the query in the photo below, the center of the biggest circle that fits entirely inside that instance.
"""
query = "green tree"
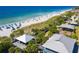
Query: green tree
(32, 41)
(12, 35)
(31, 48)
(1, 48)
(38, 40)
(17, 50)
(5, 43)
(40, 37)
(74, 36)
(14, 50)
(11, 49)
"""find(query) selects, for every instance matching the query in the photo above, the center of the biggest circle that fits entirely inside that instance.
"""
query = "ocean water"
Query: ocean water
(10, 14)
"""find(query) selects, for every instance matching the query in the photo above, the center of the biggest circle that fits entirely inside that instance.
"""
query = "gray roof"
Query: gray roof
(73, 22)
(19, 45)
(25, 38)
(60, 43)
(67, 26)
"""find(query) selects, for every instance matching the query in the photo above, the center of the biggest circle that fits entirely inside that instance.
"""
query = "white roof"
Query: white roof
(25, 38)
(67, 26)
(73, 22)
(55, 46)
(60, 43)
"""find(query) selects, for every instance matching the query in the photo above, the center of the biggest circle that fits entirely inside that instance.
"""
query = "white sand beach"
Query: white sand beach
(6, 30)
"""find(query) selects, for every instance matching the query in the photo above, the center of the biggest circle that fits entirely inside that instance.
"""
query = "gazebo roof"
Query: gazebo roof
(25, 38)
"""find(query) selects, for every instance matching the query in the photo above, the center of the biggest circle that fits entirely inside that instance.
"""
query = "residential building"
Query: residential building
(66, 29)
(58, 43)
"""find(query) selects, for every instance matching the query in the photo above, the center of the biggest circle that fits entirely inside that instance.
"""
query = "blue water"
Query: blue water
(9, 14)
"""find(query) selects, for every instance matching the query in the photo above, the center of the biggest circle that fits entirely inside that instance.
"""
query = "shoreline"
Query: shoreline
(7, 29)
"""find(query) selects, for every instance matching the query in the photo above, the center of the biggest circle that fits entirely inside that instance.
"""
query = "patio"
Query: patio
(19, 45)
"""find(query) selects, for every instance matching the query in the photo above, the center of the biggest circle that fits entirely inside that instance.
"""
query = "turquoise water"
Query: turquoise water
(10, 14)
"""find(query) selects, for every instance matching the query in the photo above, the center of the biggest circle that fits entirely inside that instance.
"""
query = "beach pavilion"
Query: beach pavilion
(66, 29)
(59, 43)
(21, 41)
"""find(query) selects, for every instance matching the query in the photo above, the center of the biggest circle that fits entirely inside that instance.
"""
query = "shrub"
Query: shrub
(1, 48)
(14, 50)
(31, 48)
(17, 33)
(11, 50)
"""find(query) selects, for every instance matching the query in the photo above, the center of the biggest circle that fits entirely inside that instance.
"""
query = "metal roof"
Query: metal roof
(74, 23)
(67, 26)
(60, 43)
(25, 38)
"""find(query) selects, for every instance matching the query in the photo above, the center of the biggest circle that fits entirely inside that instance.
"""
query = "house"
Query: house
(75, 17)
(59, 43)
(75, 20)
(22, 40)
(74, 23)
(66, 29)
(68, 20)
